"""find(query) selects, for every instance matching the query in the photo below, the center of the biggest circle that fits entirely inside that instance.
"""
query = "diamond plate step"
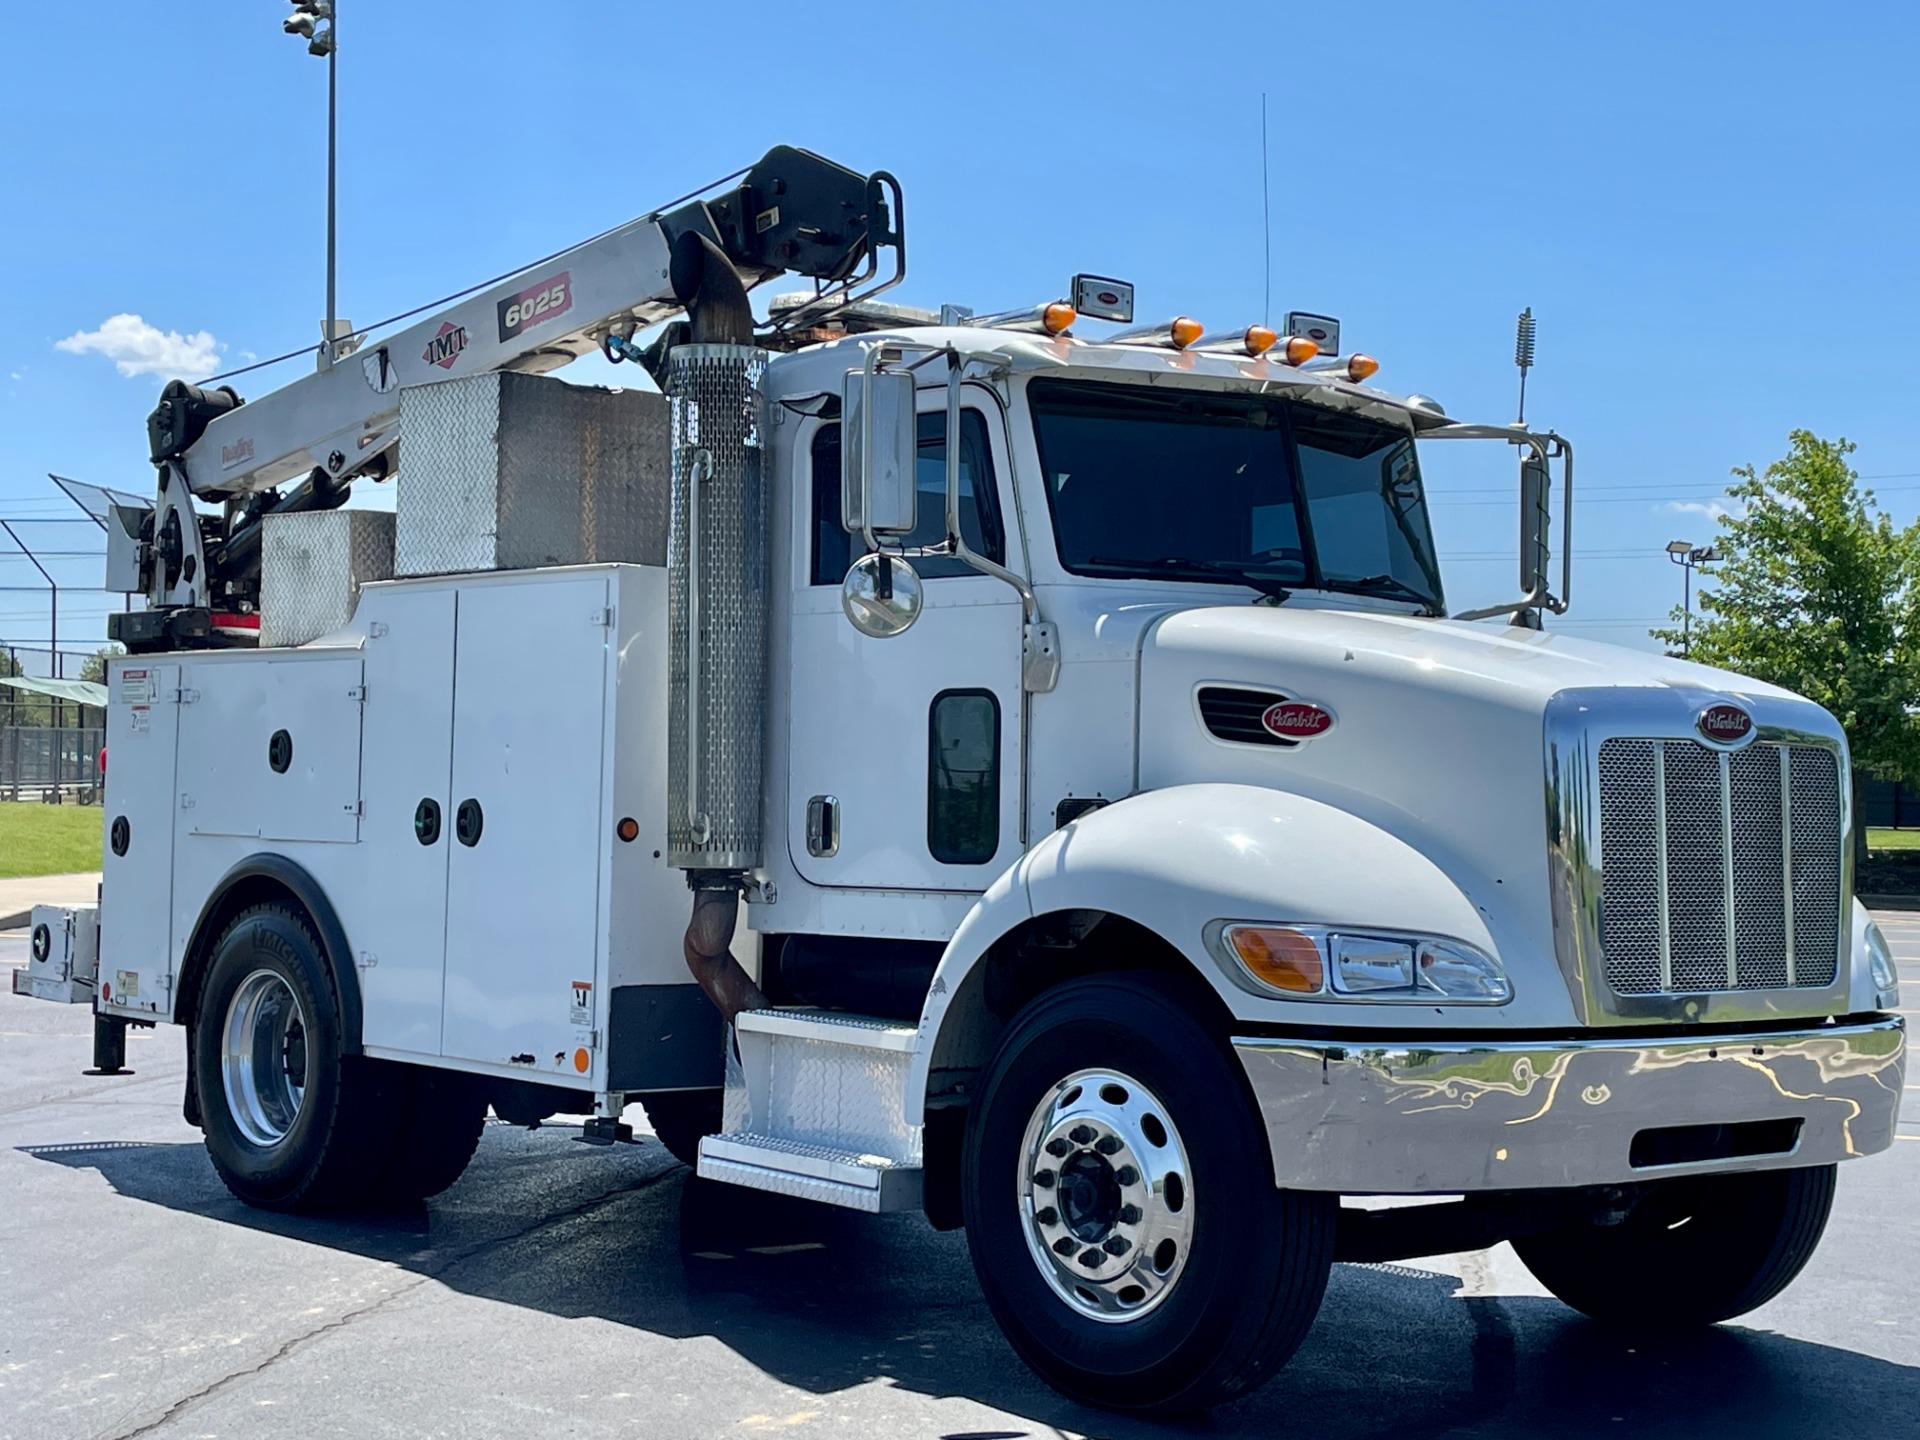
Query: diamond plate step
(811, 1172)
(835, 1027)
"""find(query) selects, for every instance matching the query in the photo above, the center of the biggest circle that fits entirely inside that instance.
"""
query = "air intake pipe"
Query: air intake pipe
(716, 612)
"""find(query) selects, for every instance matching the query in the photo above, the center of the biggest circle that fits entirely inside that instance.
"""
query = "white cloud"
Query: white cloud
(1711, 509)
(137, 348)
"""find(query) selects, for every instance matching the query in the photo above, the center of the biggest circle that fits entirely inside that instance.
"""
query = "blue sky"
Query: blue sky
(1710, 208)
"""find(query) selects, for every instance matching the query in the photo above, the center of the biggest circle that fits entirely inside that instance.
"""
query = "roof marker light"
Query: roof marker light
(1300, 350)
(1052, 318)
(1361, 367)
(1175, 334)
(1254, 341)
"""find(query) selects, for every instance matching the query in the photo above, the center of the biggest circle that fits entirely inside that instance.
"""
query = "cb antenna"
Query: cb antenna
(1523, 355)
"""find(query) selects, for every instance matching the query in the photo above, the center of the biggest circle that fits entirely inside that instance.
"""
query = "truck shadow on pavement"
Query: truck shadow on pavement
(827, 1300)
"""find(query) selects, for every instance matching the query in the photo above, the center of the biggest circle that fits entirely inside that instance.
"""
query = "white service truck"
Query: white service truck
(1099, 834)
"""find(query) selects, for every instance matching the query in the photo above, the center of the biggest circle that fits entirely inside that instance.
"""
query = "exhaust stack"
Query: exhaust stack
(716, 613)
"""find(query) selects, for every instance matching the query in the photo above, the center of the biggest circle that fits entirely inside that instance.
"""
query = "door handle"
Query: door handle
(426, 821)
(823, 826)
(467, 822)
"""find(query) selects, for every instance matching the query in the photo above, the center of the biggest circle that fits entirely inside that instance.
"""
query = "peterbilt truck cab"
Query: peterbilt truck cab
(1101, 837)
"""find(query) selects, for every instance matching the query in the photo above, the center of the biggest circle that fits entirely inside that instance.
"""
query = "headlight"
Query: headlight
(1886, 976)
(1325, 964)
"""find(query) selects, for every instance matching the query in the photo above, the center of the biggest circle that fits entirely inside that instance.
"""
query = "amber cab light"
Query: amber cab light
(1360, 367)
(1278, 957)
(1058, 317)
(1300, 350)
(1259, 339)
(1185, 331)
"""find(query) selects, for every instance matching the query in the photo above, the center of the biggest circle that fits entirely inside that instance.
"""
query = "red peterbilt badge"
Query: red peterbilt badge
(1296, 720)
(1725, 724)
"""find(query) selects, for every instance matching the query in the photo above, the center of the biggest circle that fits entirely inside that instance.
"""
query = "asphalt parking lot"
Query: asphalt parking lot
(563, 1289)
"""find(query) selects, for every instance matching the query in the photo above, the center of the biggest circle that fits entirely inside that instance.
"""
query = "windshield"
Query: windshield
(1251, 489)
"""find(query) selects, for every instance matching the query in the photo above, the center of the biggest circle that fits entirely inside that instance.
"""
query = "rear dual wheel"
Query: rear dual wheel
(292, 1121)
(1120, 1204)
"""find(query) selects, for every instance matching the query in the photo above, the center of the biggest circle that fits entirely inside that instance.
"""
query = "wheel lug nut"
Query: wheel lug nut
(1108, 1145)
(1048, 1216)
(1043, 1178)
(1065, 1245)
(1127, 1175)
(1092, 1259)
(1057, 1147)
(1081, 1134)
(1129, 1214)
(1117, 1245)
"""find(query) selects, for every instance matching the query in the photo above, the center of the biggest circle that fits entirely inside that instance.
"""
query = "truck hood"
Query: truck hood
(1436, 734)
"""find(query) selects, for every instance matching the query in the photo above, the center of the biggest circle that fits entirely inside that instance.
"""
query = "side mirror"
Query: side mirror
(1536, 524)
(880, 446)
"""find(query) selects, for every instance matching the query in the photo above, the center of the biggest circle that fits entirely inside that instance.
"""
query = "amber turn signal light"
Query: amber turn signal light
(1280, 958)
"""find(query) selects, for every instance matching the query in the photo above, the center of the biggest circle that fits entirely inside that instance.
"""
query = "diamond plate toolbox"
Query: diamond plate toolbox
(510, 472)
(312, 566)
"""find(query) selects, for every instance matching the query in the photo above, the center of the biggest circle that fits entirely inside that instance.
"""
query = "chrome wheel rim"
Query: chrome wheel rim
(263, 1058)
(1106, 1197)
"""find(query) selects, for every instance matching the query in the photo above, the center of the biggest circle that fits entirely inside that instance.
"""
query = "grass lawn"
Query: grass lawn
(38, 839)
(1878, 839)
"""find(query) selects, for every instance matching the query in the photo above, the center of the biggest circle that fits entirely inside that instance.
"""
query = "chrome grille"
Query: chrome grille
(1719, 870)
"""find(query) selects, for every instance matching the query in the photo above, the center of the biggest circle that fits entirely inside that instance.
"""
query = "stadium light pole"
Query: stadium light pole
(1688, 556)
(313, 21)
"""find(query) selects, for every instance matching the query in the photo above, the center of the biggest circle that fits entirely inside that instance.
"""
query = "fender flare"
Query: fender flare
(292, 877)
(1172, 861)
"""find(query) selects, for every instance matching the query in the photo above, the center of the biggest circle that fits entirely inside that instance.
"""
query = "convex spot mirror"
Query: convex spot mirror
(881, 595)
(880, 447)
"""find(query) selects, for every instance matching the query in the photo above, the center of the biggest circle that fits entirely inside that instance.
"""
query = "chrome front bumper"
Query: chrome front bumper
(1417, 1118)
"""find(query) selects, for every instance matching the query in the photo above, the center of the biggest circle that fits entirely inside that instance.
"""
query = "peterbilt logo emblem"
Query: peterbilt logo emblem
(1296, 720)
(1725, 724)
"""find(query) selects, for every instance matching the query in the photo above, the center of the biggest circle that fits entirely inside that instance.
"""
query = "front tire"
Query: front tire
(291, 1121)
(1121, 1209)
(1693, 1252)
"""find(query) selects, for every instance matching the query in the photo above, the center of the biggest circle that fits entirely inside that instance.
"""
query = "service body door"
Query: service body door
(398, 920)
(523, 867)
(136, 887)
(908, 747)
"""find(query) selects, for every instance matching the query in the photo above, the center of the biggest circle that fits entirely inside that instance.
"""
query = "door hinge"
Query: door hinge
(186, 801)
(357, 807)
(184, 696)
(376, 628)
(357, 692)
(603, 618)
(1040, 657)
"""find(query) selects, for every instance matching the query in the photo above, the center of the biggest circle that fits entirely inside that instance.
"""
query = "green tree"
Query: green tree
(1819, 592)
(94, 667)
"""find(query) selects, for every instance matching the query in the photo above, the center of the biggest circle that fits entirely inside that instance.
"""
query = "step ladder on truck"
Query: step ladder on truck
(1099, 834)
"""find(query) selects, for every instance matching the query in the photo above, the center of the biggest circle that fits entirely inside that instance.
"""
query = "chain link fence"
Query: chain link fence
(38, 762)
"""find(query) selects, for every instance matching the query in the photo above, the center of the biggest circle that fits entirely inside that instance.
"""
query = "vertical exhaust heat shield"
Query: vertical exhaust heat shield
(716, 608)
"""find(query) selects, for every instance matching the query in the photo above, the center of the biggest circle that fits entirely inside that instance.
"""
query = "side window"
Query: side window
(963, 777)
(979, 503)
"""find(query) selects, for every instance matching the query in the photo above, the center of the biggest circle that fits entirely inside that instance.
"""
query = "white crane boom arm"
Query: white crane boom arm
(338, 419)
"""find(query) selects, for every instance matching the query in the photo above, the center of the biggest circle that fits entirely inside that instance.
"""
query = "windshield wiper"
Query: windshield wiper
(1173, 565)
(1386, 585)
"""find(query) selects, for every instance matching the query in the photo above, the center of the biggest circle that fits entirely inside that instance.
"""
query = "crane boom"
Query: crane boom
(793, 213)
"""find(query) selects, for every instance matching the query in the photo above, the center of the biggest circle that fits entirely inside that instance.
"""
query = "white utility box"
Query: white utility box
(63, 954)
